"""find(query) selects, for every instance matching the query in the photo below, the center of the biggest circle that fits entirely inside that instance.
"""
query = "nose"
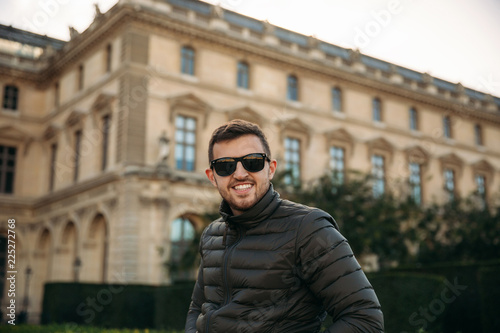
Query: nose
(240, 172)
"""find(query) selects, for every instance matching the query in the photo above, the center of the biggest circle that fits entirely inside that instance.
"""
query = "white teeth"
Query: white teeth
(242, 187)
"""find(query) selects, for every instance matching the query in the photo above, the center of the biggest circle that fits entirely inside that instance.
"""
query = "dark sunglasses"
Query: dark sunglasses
(226, 166)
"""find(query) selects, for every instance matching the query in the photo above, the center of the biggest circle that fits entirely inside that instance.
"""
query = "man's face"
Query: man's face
(242, 189)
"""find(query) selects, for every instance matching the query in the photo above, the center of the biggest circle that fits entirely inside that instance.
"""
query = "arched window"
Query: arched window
(181, 238)
(187, 60)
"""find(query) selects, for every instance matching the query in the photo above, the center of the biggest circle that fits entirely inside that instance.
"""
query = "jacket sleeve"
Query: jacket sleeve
(197, 300)
(332, 273)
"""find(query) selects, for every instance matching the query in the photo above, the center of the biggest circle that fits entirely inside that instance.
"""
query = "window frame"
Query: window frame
(292, 88)
(10, 97)
(183, 144)
(109, 58)
(81, 78)
(78, 136)
(295, 178)
(413, 115)
(450, 191)
(484, 194)
(179, 247)
(478, 135)
(336, 99)
(106, 126)
(188, 57)
(413, 185)
(447, 130)
(378, 180)
(6, 169)
(336, 172)
(243, 75)
(52, 168)
(376, 110)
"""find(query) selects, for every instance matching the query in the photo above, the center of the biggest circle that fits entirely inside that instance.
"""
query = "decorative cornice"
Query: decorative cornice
(127, 14)
(281, 57)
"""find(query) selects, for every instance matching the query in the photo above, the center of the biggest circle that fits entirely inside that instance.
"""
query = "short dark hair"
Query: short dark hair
(233, 130)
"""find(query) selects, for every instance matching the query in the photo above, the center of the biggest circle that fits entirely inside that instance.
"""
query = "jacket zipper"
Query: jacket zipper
(225, 275)
(225, 270)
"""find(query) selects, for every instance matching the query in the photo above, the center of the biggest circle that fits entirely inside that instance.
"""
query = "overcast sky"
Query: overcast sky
(455, 40)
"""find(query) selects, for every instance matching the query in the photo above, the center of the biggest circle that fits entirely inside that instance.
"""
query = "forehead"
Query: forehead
(241, 146)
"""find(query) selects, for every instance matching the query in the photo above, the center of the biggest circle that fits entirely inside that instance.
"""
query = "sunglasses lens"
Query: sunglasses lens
(254, 162)
(225, 167)
(251, 162)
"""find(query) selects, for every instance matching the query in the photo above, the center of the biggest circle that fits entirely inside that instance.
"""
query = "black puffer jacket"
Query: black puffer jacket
(277, 268)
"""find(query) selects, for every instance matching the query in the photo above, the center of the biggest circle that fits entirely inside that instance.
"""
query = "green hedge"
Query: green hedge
(409, 300)
(464, 313)
(119, 306)
(445, 299)
(489, 282)
(69, 328)
(172, 305)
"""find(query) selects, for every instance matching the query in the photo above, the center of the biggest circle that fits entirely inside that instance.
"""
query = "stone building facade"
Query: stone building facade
(103, 139)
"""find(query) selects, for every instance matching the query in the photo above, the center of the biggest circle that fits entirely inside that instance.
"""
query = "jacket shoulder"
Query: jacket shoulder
(304, 214)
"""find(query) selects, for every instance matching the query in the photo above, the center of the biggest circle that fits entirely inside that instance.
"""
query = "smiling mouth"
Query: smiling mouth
(243, 187)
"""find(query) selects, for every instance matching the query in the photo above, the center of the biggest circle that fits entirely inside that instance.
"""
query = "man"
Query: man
(271, 265)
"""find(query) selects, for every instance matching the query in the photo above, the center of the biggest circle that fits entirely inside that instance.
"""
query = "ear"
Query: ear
(210, 175)
(272, 168)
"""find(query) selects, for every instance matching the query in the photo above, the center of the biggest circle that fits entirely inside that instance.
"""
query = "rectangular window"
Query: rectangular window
(447, 127)
(7, 169)
(57, 94)
(413, 119)
(52, 171)
(185, 143)
(10, 97)
(292, 88)
(78, 143)
(187, 60)
(292, 161)
(337, 164)
(336, 99)
(478, 134)
(243, 76)
(109, 54)
(416, 183)
(481, 187)
(378, 173)
(80, 77)
(376, 110)
(449, 183)
(106, 120)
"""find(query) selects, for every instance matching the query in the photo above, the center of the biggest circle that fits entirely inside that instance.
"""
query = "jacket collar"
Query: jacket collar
(250, 218)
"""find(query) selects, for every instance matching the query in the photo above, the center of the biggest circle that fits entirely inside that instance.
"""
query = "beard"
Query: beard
(242, 203)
